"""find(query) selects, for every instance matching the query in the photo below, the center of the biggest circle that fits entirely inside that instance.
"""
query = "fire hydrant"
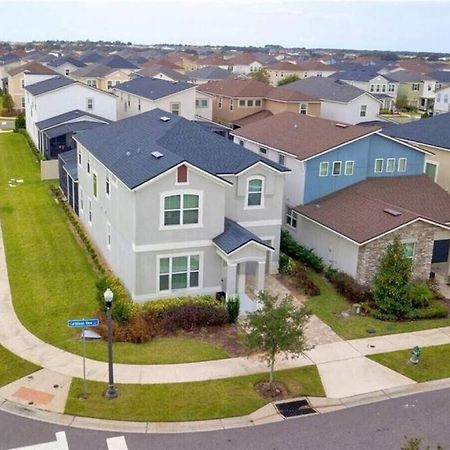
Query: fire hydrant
(415, 354)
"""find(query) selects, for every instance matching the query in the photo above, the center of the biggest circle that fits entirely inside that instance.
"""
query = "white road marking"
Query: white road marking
(116, 443)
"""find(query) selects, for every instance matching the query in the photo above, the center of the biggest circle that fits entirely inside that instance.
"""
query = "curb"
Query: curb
(265, 415)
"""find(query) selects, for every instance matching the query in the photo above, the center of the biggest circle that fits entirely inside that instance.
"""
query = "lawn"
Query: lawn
(51, 277)
(12, 367)
(434, 363)
(329, 304)
(213, 399)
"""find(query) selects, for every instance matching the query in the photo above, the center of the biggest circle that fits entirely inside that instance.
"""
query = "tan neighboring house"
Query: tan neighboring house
(279, 71)
(161, 72)
(24, 75)
(236, 102)
(100, 76)
(187, 61)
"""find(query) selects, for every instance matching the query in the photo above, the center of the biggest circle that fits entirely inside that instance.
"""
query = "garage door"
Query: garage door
(440, 251)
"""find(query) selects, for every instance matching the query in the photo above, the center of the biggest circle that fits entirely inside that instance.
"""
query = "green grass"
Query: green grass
(329, 304)
(434, 363)
(51, 277)
(12, 367)
(213, 399)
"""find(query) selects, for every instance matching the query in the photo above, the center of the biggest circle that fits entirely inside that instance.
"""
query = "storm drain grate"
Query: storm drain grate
(296, 408)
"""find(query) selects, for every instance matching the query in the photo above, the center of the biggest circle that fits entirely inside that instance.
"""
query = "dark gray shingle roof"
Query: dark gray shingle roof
(72, 127)
(432, 130)
(48, 85)
(326, 89)
(117, 62)
(125, 148)
(443, 76)
(153, 88)
(65, 59)
(407, 76)
(210, 73)
(236, 236)
(70, 115)
(69, 163)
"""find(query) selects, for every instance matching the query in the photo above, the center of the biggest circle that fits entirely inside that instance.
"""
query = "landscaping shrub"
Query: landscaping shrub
(31, 145)
(233, 306)
(348, 287)
(291, 248)
(20, 122)
(420, 295)
(434, 310)
(300, 277)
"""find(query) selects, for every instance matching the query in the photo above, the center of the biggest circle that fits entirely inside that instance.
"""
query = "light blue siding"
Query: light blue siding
(363, 152)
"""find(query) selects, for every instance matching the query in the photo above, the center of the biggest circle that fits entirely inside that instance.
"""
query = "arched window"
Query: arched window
(255, 192)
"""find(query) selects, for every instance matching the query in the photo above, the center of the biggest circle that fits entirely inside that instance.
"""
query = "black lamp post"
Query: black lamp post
(111, 392)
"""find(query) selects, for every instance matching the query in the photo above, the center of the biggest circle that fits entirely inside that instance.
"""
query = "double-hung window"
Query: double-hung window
(281, 159)
(255, 192)
(94, 185)
(291, 218)
(90, 103)
(409, 249)
(179, 272)
(337, 167)
(181, 209)
(303, 108)
(402, 164)
(175, 108)
(363, 111)
(242, 103)
(390, 165)
(379, 163)
(349, 166)
(323, 169)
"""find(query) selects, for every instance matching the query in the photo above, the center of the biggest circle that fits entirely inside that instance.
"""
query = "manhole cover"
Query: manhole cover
(296, 408)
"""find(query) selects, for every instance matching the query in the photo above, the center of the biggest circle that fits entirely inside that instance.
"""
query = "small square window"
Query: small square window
(263, 150)
(242, 103)
(323, 169)
(250, 103)
(337, 166)
(90, 103)
(379, 163)
(281, 159)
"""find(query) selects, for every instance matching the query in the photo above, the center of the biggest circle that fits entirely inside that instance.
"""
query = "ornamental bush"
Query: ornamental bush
(348, 287)
(296, 251)
(391, 282)
(233, 306)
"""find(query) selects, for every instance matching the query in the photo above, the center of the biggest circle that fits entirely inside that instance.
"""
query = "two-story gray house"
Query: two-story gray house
(177, 210)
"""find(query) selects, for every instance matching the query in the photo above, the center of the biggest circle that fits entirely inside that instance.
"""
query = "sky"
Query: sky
(414, 25)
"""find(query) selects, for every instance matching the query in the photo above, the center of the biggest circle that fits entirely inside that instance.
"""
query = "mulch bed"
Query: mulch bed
(276, 391)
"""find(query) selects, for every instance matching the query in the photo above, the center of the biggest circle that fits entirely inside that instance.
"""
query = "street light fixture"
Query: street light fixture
(111, 392)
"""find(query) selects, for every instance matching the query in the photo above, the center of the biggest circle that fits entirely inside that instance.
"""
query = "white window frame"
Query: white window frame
(281, 159)
(261, 205)
(393, 165)
(181, 226)
(263, 150)
(88, 165)
(340, 169)
(90, 211)
(363, 111)
(81, 200)
(303, 108)
(108, 235)
(91, 101)
(259, 103)
(400, 161)
(414, 244)
(325, 163)
(242, 103)
(382, 165)
(291, 216)
(219, 102)
(433, 163)
(107, 184)
(346, 172)
(109, 84)
(415, 87)
(170, 273)
(178, 111)
(95, 184)
(80, 158)
(231, 104)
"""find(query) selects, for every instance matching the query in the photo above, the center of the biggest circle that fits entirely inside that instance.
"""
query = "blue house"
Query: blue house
(350, 188)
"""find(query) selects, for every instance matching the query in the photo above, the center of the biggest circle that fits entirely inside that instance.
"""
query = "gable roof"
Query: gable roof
(117, 62)
(442, 76)
(407, 76)
(360, 74)
(68, 116)
(157, 69)
(33, 68)
(236, 236)
(49, 85)
(94, 70)
(8, 58)
(125, 148)
(65, 59)
(359, 211)
(210, 73)
(153, 88)
(433, 131)
(326, 88)
(240, 87)
(284, 65)
(162, 62)
(91, 57)
(301, 135)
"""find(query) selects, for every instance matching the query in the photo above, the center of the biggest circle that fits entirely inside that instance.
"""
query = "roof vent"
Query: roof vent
(128, 153)
(295, 125)
(392, 212)
(164, 119)
(342, 125)
(157, 155)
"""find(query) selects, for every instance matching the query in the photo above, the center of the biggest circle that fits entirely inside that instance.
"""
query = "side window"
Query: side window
(349, 166)
(402, 164)
(291, 218)
(323, 169)
(255, 188)
(337, 167)
(181, 209)
(390, 165)
(379, 164)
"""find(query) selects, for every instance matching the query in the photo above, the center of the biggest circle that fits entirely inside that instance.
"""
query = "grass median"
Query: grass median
(329, 305)
(12, 367)
(229, 397)
(434, 363)
(51, 277)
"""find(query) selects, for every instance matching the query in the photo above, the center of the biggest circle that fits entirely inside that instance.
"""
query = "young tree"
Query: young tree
(276, 327)
(261, 75)
(288, 79)
(390, 287)
(20, 121)
(402, 102)
(8, 103)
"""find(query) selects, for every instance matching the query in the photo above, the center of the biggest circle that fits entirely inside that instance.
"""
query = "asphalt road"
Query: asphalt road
(378, 426)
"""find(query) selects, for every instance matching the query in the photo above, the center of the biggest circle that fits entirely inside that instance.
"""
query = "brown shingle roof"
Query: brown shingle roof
(162, 62)
(33, 67)
(253, 118)
(239, 87)
(284, 65)
(359, 211)
(301, 135)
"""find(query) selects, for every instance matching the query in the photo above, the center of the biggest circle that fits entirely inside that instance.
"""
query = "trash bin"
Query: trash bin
(356, 309)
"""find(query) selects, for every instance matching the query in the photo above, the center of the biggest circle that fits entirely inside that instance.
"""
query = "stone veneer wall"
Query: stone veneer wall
(419, 232)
